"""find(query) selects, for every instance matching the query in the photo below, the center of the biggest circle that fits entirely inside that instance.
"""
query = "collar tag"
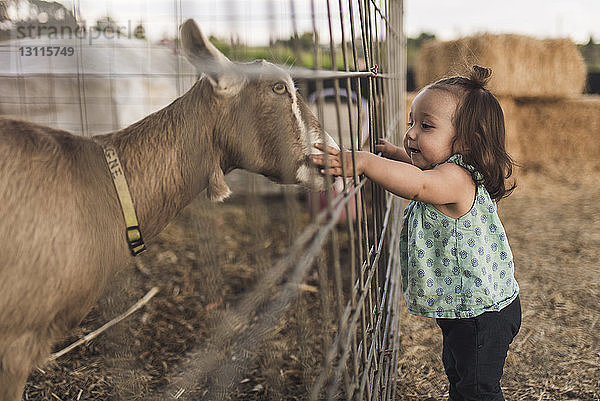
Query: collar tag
(132, 231)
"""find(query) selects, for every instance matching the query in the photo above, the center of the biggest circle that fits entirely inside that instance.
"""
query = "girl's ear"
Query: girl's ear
(456, 146)
(460, 147)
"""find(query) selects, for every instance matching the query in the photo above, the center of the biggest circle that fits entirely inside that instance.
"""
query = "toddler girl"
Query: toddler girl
(456, 263)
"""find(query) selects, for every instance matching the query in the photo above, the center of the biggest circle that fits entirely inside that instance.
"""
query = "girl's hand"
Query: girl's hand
(386, 148)
(334, 159)
(391, 151)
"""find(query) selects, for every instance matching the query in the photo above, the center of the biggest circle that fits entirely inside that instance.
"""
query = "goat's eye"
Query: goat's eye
(279, 88)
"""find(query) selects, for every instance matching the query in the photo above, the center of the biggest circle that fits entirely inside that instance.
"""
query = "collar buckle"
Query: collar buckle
(135, 240)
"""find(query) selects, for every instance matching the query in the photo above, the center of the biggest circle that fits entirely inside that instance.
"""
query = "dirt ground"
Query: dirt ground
(212, 254)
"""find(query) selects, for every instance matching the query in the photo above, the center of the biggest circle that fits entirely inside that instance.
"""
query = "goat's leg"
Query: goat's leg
(16, 360)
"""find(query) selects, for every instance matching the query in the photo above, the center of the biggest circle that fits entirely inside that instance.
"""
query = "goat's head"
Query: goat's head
(263, 124)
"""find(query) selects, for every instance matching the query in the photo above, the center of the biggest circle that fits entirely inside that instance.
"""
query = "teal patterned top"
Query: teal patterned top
(456, 268)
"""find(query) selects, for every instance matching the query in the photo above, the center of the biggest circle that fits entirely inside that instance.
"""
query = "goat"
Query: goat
(62, 229)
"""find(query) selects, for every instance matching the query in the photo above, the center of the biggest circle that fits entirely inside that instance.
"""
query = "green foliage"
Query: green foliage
(220, 44)
(293, 51)
(412, 48)
(591, 54)
(298, 51)
(418, 41)
(139, 32)
(107, 25)
(303, 42)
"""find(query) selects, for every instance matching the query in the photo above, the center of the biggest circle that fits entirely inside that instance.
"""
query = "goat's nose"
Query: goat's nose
(328, 140)
(331, 142)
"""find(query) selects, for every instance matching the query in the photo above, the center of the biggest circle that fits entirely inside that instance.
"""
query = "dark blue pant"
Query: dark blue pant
(475, 351)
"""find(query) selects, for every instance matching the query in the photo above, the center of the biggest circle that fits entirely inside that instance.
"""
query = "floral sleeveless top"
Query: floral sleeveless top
(456, 268)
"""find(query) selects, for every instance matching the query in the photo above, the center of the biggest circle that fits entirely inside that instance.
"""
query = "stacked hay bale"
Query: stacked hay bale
(522, 66)
(539, 84)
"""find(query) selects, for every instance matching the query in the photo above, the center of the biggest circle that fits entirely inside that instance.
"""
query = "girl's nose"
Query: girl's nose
(410, 133)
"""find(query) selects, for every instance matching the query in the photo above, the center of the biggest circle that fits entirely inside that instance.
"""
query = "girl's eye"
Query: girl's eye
(426, 126)
(279, 88)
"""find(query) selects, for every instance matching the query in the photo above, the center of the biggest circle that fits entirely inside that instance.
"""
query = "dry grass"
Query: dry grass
(213, 254)
(550, 221)
(204, 262)
(522, 66)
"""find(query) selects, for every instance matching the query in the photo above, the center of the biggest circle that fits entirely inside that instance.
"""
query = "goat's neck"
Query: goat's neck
(169, 157)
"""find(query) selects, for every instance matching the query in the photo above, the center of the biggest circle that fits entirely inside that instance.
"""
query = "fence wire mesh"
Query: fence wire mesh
(334, 284)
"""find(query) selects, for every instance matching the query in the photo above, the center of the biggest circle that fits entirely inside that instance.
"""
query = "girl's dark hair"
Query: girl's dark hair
(480, 132)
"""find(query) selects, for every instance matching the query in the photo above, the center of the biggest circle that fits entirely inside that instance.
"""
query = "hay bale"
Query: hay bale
(543, 134)
(522, 66)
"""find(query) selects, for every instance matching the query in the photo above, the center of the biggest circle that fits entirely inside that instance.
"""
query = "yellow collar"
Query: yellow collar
(133, 233)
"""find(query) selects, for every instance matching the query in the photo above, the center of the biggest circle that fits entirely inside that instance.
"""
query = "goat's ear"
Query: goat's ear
(209, 60)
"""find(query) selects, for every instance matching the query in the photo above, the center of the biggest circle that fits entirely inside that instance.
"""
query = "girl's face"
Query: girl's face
(428, 140)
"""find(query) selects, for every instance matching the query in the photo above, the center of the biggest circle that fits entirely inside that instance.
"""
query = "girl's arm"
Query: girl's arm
(446, 184)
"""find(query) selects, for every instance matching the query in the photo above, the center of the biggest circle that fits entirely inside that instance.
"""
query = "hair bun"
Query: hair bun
(480, 75)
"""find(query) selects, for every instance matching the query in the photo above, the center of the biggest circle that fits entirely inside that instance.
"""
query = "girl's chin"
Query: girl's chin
(416, 158)
(418, 161)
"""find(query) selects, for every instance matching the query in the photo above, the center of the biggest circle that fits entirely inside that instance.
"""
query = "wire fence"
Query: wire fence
(361, 358)
(350, 242)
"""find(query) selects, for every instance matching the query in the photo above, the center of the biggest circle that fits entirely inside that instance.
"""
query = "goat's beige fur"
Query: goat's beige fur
(62, 234)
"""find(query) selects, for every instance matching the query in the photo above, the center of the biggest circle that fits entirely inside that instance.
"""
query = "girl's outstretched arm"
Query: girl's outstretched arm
(446, 184)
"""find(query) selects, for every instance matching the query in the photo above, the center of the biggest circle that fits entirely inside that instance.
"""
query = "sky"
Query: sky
(256, 21)
(577, 19)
